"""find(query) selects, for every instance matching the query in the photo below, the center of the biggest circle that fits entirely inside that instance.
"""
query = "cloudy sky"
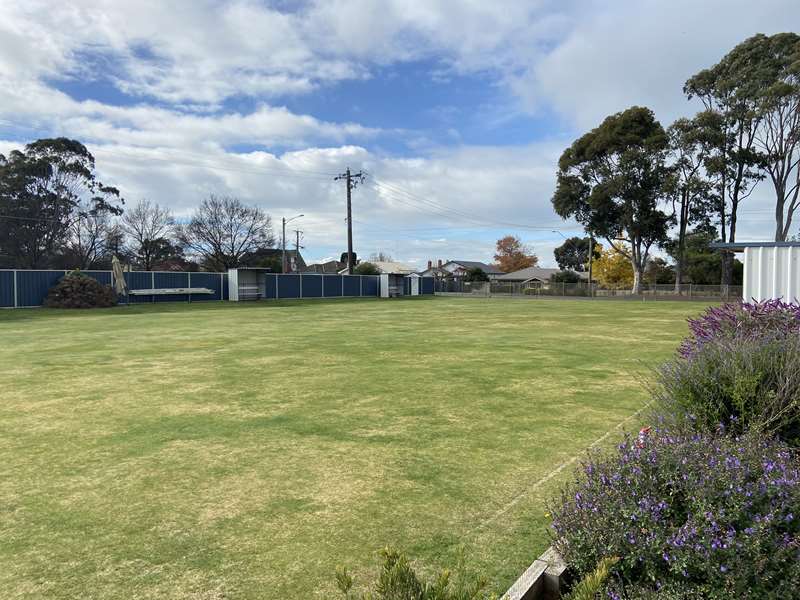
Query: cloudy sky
(458, 111)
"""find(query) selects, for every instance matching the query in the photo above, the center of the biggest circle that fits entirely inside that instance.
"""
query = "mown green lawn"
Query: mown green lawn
(243, 451)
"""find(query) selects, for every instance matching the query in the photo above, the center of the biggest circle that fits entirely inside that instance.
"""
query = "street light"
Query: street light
(283, 243)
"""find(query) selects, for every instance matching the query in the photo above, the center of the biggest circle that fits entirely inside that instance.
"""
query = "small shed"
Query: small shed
(771, 269)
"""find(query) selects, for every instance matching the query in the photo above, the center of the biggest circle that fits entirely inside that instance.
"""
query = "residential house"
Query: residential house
(459, 268)
(437, 271)
(331, 267)
(533, 274)
(391, 268)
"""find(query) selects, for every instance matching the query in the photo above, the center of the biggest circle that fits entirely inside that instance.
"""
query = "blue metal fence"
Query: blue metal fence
(21, 289)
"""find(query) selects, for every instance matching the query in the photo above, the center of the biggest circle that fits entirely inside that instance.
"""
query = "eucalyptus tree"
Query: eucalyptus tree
(691, 143)
(728, 94)
(772, 65)
(613, 180)
(45, 190)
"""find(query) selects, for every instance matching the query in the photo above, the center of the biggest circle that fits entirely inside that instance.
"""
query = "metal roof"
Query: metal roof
(474, 264)
(740, 246)
(529, 273)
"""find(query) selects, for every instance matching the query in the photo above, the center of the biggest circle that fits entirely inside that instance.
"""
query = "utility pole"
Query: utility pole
(283, 247)
(353, 179)
(284, 221)
(298, 235)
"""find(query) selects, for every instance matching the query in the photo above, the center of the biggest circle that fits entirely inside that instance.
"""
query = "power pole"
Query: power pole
(352, 181)
(283, 246)
(298, 235)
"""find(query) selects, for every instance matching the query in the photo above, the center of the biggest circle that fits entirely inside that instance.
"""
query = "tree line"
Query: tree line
(56, 214)
(631, 182)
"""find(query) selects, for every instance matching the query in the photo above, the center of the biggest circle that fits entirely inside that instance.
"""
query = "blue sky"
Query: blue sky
(458, 110)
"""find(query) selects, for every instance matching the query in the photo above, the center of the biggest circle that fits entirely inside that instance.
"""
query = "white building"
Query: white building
(771, 270)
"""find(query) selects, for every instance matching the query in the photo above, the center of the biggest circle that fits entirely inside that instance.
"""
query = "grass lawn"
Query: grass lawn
(243, 451)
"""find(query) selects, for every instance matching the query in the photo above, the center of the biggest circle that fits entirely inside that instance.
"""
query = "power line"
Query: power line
(352, 180)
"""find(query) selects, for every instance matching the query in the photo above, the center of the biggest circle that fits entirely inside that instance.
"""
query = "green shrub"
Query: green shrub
(366, 268)
(737, 383)
(399, 581)
(76, 290)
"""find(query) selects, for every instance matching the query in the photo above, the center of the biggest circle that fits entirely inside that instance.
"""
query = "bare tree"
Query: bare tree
(223, 229)
(381, 256)
(147, 226)
(87, 238)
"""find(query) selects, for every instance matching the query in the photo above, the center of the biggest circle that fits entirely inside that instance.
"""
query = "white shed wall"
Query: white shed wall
(771, 273)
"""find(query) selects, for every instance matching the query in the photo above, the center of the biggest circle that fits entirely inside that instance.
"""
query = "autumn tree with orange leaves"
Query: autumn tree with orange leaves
(513, 255)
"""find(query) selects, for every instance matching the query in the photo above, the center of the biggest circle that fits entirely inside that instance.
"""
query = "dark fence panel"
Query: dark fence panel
(6, 289)
(172, 280)
(289, 286)
(332, 286)
(312, 286)
(139, 280)
(32, 286)
(426, 286)
(212, 281)
(371, 285)
(271, 286)
(352, 285)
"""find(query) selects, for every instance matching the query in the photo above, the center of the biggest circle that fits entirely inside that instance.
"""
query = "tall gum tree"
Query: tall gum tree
(613, 180)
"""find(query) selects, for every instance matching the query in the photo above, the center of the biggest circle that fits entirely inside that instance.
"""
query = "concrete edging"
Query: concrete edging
(544, 579)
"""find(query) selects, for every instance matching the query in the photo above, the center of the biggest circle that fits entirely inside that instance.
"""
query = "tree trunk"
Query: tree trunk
(679, 259)
(637, 280)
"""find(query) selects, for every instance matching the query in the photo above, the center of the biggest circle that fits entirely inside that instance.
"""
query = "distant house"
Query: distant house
(331, 266)
(459, 268)
(533, 274)
(391, 268)
(436, 271)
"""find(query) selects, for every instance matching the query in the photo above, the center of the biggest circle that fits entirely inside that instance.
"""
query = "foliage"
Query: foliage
(512, 255)
(732, 162)
(702, 264)
(658, 271)
(612, 179)
(366, 268)
(47, 188)
(594, 582)
(76, 290)
(573, 254)
(565, 277)
(476, 274)
(223, 230)
(612, 270)
(399, 581)
(691, 141)
(745, 383)
(769, 67)
(706, 514)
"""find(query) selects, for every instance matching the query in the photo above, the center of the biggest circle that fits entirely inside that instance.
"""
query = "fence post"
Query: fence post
(222, 288)
(190, 286)
(16, 301)
(360, 286)
(153, 285)
(300, 275)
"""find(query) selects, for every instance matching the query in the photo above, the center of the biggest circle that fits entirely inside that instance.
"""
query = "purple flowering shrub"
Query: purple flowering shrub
(690, 515)
(756, 320)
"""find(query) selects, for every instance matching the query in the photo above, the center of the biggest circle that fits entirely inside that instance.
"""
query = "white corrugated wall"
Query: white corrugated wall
(771, 273)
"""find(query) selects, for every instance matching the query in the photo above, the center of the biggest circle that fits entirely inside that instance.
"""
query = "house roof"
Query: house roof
(474, 264)
(392, 268)
(331, 266)
(534, 273)
(740, 246)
